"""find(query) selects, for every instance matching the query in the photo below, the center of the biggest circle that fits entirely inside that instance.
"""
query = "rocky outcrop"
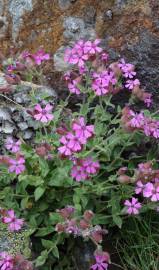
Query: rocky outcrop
(130, 27)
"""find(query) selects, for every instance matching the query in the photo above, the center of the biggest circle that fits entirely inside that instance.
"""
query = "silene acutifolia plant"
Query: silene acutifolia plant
(86, 171)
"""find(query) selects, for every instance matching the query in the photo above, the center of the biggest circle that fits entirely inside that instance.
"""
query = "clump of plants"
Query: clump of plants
(89, 170)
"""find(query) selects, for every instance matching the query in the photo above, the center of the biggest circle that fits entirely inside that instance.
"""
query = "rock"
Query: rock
(4, 114)
(27, 134)
(7, 127)
(23, 126)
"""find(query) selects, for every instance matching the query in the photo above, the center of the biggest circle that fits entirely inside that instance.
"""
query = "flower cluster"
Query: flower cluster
(44, 150)
(84, 168)
(134, 84)
(14, 223)
(103, 82)
(104, 78)
(73, 141)
(132, 121)
(82, 227)
(18, 262)
(24, 62)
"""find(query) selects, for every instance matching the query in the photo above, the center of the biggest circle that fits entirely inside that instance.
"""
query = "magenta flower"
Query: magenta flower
(130, 84)
(6, 261)
(82, 131)
(43, 114)
(133, 206)
(139, 187)
(73, 87)
(73, 142)
(91, 47)
(15, 224)
(151, 191)
(91, 167)
(84, 168)
(76, 56)
(17, 165)
(137, 119)
(78, 173)
(64, 150)
(40, 56)
(70, 143)
(101, 262)
(12, 145)
(102, 83)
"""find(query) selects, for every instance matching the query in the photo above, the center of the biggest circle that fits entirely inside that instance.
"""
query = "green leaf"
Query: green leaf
(42, 258)
(45, 231)
(39, 191)
(47, 243)
(55, 252)
(31, 180)
(117, 220)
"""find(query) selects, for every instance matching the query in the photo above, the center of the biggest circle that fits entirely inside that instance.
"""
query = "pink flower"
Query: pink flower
(78, 173)
(12, 145)
(91, 167)
(73, 142)
(17, 165)
(84, 168)
(82, 131)
(70, 143)
(101, 262)
(76, 55)
(151, 190)
(64, 150)
(43, 114)
(73, 87)
(127, 69)
(40, 56)
(91, 47)
(139, 187)
(130, 84)
(133, 206)
(6, 261)
(102, 83)
(15, 224)
(137, 119)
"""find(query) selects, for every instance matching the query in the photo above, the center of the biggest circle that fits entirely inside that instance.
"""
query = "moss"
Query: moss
(15, 242)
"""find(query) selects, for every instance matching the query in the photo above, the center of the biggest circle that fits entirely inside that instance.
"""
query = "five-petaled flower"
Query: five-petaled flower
(43, 114)
(133, 206)
(14, 223)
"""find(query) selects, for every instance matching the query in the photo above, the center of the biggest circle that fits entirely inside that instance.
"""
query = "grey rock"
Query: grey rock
(21, 98)
(145, 55)
(108, 14)
(7, 127)
(64, 4)
(3, 26)
(17, 9)
(4, 114)
(27, 134)
(23, 126)
(90, 15)
(75, 29)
